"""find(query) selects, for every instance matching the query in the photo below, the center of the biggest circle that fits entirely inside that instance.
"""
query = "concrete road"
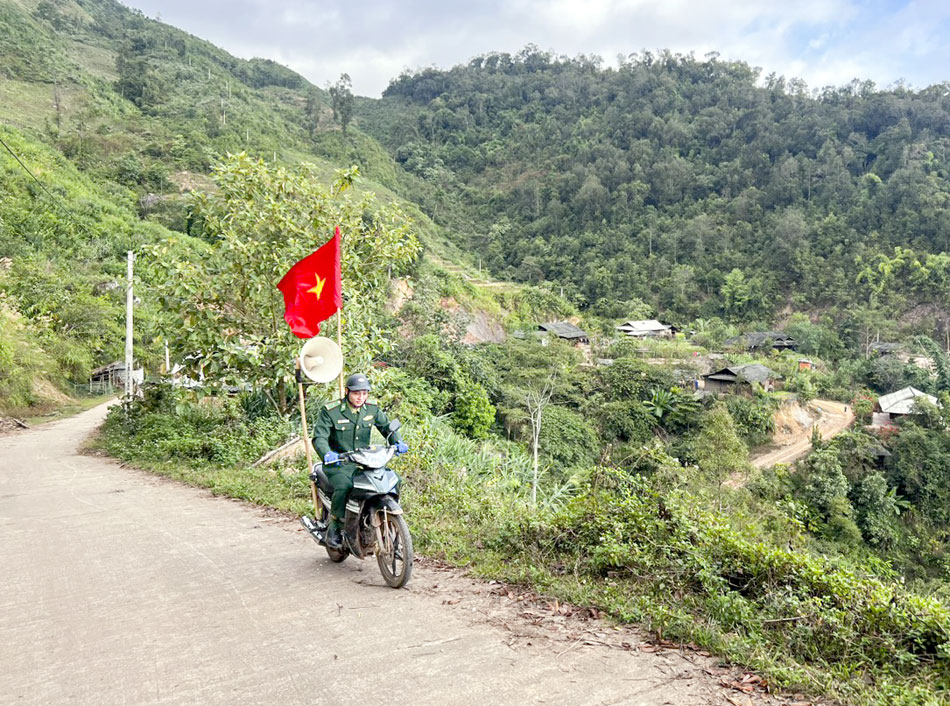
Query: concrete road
(119, 587)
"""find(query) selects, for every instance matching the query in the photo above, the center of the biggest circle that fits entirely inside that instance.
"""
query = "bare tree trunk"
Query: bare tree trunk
(536, 436)
(536, 401)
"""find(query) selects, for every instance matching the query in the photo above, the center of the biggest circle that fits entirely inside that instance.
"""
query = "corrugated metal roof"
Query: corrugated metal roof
(755, 372)
(115, 365)
(644, 325)
(751, 372)
(902, 401)
(563, 329)
(756, 339)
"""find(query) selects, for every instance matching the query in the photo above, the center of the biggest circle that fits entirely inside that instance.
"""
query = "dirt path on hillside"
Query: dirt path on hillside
(835, 418)
(121, 587)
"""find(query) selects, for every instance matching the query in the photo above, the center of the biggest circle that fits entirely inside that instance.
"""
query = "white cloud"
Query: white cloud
(822, 41)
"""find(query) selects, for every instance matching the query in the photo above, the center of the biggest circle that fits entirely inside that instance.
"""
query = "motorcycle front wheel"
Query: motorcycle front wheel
(395, 555)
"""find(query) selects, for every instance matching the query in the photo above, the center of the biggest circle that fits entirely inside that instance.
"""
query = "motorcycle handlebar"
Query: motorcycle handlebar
(346, 454)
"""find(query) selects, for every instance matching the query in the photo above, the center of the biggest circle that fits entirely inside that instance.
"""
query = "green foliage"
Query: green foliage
(718, 449)
(227, 310)
(167, 427)
(626, 421)
(811, 609)
(66, 246)
(632, 378)
(876, 509)
(19, 361)
(442, 366)
(753, 416)
(733, 194)
(567, 438)
(817, 339)
(474, 413)
(919, 467)
(825, 488)
(341, 100)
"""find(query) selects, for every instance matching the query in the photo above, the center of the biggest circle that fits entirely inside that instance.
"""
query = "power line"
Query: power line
(20, 162)
(56, 201)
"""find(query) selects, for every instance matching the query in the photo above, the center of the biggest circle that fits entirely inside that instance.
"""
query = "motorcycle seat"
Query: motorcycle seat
(320, 478)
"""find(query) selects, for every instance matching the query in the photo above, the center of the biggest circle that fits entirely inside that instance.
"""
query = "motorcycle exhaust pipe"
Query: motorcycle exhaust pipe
(317, 530)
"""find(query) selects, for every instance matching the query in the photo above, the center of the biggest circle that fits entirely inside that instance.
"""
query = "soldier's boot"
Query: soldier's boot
(334, 536)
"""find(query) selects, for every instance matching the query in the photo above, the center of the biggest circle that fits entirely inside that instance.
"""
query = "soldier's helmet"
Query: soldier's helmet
(357, 381)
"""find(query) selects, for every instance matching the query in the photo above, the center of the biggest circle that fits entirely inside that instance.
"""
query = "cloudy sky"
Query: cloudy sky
(825, 42)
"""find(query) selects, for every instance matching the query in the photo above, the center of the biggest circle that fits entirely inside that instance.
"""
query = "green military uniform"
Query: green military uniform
(341, 428)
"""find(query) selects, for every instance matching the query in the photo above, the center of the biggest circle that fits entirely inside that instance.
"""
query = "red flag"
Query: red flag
(312, 289)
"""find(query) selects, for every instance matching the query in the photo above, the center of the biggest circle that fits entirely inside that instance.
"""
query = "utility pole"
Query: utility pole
(128, 333)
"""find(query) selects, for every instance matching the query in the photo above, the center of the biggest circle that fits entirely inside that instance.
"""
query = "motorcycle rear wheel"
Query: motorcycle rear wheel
(395, 557)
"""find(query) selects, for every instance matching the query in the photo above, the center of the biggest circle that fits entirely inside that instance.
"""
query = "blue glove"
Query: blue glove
(331, 457)
(402, 447)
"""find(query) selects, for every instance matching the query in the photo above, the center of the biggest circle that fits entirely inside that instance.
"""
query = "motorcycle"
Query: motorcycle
(374, 521)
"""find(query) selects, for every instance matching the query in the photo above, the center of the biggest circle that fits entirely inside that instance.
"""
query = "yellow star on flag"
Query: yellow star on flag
(318, 289)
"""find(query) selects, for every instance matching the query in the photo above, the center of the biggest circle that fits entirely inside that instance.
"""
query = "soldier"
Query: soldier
(345, 425)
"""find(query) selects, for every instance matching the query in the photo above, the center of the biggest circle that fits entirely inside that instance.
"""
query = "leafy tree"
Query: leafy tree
(224, 308)
(567, 438)
(826, 489)
(876, 509)
(919, 467)
(341, 101)
(718, 449)
(474, 413)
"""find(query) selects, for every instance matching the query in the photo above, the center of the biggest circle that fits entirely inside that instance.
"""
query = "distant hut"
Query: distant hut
(565, 331)
(763, 340)
(647, 328)
(899, 404)
(112, 376)
(885, 348)
(736, 377)
(924, 362)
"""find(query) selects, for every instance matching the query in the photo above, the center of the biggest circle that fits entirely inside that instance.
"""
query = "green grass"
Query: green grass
(97, 61)
(79, 403)
(27, 105)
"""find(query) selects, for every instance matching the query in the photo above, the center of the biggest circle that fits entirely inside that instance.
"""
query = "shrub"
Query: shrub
(474, 413)
(566, 437)
(753, 417)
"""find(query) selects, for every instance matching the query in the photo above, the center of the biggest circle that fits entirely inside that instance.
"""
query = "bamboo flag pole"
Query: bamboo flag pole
(339, 342)
(339, 313)
(318, 511)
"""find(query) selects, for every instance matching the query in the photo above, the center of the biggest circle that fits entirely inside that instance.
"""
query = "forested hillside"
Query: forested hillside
(111, 123)
(698, 186)
(599, 474)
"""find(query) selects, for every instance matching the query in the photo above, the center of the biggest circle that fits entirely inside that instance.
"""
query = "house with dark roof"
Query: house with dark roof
(736, 377)
(762, 340)
(565, 331)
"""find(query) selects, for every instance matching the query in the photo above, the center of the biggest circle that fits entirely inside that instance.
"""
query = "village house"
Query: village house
(889, 408)
(111, 377)
(758, 341)
(740, 378)
(647, 328)
(924, 362)
(565, 331)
